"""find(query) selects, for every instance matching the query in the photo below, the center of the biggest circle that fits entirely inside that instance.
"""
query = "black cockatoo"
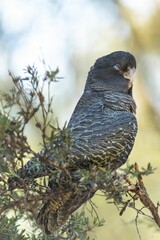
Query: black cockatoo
(102, 128)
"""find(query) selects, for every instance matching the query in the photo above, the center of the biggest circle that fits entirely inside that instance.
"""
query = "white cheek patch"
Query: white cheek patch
(129, 75)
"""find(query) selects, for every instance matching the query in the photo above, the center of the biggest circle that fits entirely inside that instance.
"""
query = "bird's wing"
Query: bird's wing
(101, 134)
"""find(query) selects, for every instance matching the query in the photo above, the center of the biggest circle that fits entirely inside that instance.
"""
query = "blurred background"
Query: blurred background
(71, 35)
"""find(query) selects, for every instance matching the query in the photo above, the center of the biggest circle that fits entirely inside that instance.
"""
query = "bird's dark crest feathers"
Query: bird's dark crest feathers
(124, 59)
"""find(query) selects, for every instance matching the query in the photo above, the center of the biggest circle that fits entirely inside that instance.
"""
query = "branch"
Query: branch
(140, 190)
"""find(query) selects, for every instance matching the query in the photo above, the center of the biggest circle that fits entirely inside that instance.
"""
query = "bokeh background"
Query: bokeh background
(71, 35)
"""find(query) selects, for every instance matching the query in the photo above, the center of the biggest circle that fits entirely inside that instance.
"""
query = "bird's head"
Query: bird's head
(113, 72)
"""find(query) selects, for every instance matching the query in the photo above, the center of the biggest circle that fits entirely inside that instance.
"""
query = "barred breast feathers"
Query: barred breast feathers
(119, 101)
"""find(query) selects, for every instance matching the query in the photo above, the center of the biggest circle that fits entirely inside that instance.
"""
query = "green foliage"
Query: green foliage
(130, 169)
(9, 230)
(27, 99)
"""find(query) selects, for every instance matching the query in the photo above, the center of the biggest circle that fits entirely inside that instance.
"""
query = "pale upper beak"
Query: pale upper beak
(129, 75)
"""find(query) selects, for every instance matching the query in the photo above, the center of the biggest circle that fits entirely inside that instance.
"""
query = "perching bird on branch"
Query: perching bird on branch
(102, 128)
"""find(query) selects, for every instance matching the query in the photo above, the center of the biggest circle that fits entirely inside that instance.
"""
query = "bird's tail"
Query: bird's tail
(49, 217)
(55, 212)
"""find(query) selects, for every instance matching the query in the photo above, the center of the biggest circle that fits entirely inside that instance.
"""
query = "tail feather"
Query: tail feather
(48, 217)
(55, 212)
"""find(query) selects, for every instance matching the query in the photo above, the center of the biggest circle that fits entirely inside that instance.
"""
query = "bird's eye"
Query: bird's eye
(117, 67)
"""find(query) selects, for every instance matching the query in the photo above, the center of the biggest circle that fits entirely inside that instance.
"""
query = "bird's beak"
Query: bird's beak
(129, 75)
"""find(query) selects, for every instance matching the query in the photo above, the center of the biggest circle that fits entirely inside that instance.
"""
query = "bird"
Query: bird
(102, 130)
